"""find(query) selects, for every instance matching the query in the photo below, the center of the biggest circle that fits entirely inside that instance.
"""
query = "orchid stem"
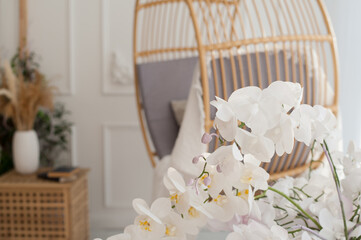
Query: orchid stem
(313, 232)
(297, 206)
(337, 182)
(262, 195)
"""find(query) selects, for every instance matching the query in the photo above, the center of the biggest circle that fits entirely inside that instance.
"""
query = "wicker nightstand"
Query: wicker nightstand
(32, 208)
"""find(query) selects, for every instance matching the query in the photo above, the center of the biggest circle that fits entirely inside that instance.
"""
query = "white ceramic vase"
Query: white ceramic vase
(26, 151)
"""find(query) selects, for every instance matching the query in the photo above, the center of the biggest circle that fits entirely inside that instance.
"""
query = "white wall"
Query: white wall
(77, 41)
(346, 18)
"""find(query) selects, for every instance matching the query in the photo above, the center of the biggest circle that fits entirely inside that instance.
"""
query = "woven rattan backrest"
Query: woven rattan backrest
(295, 33)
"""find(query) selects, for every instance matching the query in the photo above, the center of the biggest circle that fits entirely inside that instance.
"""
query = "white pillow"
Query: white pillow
(178, 108)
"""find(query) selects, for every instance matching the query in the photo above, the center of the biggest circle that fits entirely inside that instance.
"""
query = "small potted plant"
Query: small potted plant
(22, 93)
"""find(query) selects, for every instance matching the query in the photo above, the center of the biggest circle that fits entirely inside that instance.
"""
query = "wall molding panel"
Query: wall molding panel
(121, 139)
(117, 78)
(51, 37)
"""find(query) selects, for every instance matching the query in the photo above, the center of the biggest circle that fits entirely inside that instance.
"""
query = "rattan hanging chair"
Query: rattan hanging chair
(236, 43)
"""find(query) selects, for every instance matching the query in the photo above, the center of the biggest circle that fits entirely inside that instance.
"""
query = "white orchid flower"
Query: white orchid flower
(288, 94)
(180, 198)
(224, 207)
(176, 186)
(352, 160)
(303, 116)
(313, 123)
(127, 235)
(194, 214)
(259, 146)
(263, 212)
(225, 120)
(257, 110)
(130, 233)
(282, 135)
(149, 224)
(283, 185)
(213, 181)
(354, 154)
(257, 231)
(222, 191)
(177, 228)
(324, 124)
(332, 227)
(352, 183)
(195, 217)
(225, 158)
(253, 175)
(122, 236)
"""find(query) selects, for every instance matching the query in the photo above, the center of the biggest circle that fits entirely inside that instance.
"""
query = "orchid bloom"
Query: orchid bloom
(259, 146)
(224, 207)
(149, 224)
(324, 124)
(225, 119)
(257, 110)
(332, 227)
(176, 186)
(287, 94)
(252, 174)
(226, 158)
(303, 116)
(180, 198)
(177, 227)
(257, 231)
(231, 191)
(282, 135)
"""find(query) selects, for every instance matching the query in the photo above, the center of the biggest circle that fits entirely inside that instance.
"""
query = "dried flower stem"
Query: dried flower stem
(20, 100)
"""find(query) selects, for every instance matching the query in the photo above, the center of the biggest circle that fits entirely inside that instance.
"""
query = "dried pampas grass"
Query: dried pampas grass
(20, 100)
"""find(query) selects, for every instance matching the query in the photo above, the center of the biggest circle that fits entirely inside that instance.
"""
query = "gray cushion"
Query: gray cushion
(160, 83)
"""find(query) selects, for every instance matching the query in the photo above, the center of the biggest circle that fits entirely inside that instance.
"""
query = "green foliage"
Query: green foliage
(53, 130)
(25, 66)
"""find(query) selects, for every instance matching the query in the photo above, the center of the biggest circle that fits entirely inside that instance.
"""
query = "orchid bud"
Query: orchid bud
(196, 159)
(219, 169)
(207, 181)
(207, 138)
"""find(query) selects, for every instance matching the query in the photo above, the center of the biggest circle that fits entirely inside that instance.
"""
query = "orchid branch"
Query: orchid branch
(337, 183)
(313, 232)
(262, 195)
(297, 206)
